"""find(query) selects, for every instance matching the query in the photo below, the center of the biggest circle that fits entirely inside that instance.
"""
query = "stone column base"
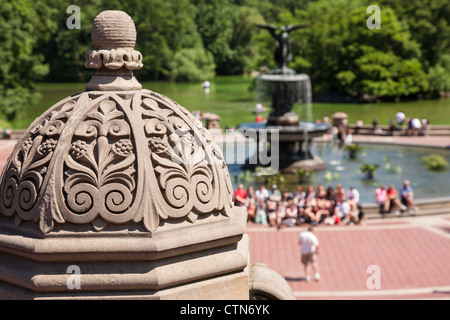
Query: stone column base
(207, 260)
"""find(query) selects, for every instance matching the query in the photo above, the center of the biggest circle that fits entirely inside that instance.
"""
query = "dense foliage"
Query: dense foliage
(24, 26)
(192, 40)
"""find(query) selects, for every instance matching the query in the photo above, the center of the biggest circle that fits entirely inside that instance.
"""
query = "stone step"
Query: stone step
(373, 215)
(443, 132)
(438, 205)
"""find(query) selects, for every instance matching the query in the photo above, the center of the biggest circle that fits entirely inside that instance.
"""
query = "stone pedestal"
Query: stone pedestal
(206, 260)
(288, 119)
(212, 123)
(340, 119)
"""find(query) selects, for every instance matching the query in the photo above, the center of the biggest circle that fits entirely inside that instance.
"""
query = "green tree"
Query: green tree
(347, 57)
(407, 57)
(439, 76)
(429, 23)
(214, 23)
(193, 64)
(65, 48)
(244, 49)
(227, 30)
(23, 23)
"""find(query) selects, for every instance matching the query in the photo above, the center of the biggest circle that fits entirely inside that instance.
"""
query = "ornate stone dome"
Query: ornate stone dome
(114, 154)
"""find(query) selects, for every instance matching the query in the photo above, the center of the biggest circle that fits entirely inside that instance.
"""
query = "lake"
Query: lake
(232, 99)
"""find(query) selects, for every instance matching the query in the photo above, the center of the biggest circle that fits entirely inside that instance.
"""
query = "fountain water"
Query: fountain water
(284, 87)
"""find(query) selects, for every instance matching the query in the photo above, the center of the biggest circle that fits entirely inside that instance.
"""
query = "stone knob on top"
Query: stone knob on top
(114, 36)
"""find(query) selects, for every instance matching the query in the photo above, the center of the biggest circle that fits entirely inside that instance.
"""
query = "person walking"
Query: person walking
(309, 250)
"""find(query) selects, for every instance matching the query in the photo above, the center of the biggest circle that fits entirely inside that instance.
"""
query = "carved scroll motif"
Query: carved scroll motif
(112, 158)
(25, 174)
(187, 169)
(99, 177)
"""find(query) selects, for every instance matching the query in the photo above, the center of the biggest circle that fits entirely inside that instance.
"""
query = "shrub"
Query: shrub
(353, 150)
(435, 162)
(369, 169)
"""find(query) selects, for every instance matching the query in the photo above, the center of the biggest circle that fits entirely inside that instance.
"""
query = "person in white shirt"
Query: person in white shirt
(352, 197)
(309, 250)
(262, 193)
(400, 117)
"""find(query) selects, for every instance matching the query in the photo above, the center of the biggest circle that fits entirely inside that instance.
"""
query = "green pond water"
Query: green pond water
(231, 98)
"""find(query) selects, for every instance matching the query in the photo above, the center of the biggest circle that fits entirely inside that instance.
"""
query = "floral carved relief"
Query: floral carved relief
(116, 158)
(186, 167)
(28, 164)
(114, 154)
(99, 168)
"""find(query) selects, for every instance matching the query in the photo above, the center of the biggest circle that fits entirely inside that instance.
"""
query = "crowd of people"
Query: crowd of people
(414, 126)
(318, 205)
(310, 206)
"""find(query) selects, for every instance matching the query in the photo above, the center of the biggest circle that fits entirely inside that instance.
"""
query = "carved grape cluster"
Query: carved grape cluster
(78, 148)
(123, 147)
(47, 146)
(157, 145)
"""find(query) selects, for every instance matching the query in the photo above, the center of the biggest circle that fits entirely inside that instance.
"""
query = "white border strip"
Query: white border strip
(372, 293)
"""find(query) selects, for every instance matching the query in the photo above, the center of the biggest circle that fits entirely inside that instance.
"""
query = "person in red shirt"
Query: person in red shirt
(239, 196)
(394, 201)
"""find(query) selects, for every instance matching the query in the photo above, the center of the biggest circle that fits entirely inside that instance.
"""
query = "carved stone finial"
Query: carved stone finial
(113, 29)
(115, 155)
(114, 36)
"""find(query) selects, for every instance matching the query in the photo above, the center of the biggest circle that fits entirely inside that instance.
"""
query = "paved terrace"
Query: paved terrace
(6, 147)
(442, 141)
(413, 253)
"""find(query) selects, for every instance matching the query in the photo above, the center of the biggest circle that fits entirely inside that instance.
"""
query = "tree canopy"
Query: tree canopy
(192, 40)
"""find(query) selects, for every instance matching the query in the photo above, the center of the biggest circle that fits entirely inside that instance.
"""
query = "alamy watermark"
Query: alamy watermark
(74, 280)
(74, 21)
(374, 21)
(265, 141)
(250, 147)
(374, 280)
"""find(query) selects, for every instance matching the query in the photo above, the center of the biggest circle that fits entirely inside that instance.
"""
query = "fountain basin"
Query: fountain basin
(292, 150)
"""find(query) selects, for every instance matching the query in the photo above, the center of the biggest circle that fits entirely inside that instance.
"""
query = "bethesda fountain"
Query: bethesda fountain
(284, 87)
